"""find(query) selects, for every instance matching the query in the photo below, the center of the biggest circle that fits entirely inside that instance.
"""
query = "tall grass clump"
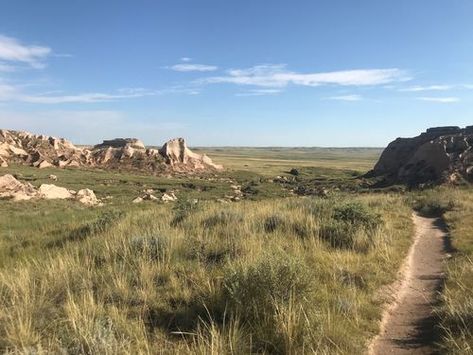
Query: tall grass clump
(264, 295)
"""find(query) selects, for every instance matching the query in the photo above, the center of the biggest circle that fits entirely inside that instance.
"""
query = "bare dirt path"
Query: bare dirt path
(408, 324)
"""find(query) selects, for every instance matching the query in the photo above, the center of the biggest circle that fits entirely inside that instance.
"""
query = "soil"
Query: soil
(409, 324)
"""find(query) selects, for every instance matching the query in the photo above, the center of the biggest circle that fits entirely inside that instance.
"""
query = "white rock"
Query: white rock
(51, 192)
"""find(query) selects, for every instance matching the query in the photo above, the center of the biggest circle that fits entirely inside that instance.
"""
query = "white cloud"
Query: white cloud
(346, 98)
(186, 59)
(193, 67)
(276, 76)
(259, 92)
(11, 50)
(11, 93)
(444, 100)
(16, 93)
(428, 88)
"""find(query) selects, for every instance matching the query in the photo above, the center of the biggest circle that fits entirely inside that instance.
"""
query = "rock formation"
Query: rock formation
(124, 153)
(179, 156)
(441, 154)
(11, 188)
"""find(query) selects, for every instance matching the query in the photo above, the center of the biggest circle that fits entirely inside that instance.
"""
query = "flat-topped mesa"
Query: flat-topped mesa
(177, 154)
(438, 155)
(121, 143)
(439, 131)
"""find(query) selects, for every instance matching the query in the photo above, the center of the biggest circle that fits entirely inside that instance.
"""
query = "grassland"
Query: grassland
(272, 273)
(271, 161)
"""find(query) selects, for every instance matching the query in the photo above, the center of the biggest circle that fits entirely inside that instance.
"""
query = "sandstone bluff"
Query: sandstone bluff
(439, 155)
(126, 153)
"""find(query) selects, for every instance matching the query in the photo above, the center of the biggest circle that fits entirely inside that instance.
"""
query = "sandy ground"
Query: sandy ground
(408, 324)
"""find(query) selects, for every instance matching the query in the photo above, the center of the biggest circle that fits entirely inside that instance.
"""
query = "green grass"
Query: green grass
(456, 309)
(270, 274)
(275, 161)
(218, 280)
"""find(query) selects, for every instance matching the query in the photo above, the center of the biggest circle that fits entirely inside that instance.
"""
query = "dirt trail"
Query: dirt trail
(408, 325)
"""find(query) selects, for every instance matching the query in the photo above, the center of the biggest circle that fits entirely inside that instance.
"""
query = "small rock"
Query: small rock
(52, 177)
(137, 200)
(87, 197)
(168, 197)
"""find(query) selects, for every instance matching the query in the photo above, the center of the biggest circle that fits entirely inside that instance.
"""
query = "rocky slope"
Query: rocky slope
(441, 154)
(127, 153)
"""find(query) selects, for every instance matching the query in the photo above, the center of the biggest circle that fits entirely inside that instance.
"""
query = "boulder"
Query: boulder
(87, 197)
(11, 188)
(51, 192)
(44, 164)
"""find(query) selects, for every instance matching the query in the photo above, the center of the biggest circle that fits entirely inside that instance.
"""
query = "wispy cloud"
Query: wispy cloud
(16, 93)
(428, 88)
(259, 92)
(443, 100)
(12, 50)
(277, 76)
(193, 67)
(185, 59)
(346, 98)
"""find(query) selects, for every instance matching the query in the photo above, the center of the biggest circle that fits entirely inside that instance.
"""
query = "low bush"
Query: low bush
(154, 247)
(222, 218)
(271, 223)
(358, 215)
(432, 205)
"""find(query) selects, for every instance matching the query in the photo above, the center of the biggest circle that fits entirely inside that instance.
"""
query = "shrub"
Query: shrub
(269, 298)
(182, 210)
(154, 247)
(100, 225)
(338, 234)
(223, 218)
(432, 206)
(357, 214)
(253, 291)
(272, 223)
(353, 226)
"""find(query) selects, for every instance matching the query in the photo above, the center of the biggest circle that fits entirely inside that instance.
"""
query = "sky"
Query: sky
(236, 72)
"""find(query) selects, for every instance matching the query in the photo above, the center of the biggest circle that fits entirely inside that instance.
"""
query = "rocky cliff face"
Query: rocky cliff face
(127, 153)
(441, 154)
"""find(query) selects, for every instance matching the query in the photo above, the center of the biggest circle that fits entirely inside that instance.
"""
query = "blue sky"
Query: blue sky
(246, 72)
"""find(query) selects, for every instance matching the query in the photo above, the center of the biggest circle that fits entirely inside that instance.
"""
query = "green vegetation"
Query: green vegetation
(269, 274)
(220, 281)
(456, 309)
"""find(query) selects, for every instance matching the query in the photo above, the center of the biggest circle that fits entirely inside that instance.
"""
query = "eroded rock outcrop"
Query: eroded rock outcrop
(179, 156)
(13, 189)
(124, 153)
(441, 154)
